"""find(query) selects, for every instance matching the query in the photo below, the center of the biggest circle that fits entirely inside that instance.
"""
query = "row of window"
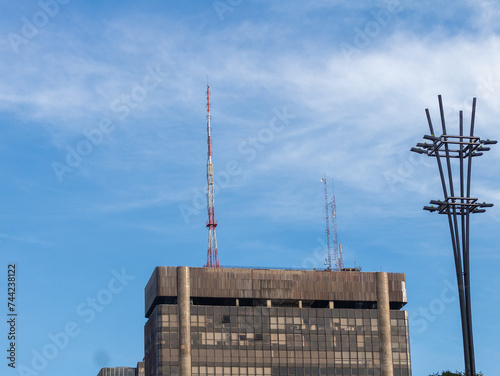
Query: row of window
(282, 356)
(280, 311)
(282, 371)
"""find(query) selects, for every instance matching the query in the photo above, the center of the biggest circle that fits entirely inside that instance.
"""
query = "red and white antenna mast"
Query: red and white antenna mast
(212, 253)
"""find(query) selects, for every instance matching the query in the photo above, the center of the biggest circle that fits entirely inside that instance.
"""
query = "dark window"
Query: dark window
(226, 319)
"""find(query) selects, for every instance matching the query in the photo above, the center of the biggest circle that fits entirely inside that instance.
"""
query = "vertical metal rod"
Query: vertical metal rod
(431, 128)
(438, 159)
(461, 297)
(456, 245)
(441, 112)
(466, 250)
(452, 190)
(468, 301)
(462, 190)
(463, 226)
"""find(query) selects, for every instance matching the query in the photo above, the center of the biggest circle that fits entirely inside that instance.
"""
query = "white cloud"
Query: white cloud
(355, 119)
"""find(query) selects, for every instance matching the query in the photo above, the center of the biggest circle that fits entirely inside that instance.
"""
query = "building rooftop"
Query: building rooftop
(255, 287)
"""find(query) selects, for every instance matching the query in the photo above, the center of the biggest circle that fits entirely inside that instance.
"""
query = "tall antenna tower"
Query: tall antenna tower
(334, 248)
(212, 253)
(337, 247)
(327, 231)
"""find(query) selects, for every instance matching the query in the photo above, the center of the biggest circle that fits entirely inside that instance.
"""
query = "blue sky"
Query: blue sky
(103, 152)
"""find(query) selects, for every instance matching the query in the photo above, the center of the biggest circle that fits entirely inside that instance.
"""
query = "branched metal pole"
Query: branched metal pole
(460, 147)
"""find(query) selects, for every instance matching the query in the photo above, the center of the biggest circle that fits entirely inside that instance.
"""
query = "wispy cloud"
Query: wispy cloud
(356, 119)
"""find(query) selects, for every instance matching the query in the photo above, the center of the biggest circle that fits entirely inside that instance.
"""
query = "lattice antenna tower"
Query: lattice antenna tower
(332, 241)
(328, 261)
(212, 253)
(337, 247)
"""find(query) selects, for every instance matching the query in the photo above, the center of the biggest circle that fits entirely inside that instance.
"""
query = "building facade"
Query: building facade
(255, 322)
(123, 371)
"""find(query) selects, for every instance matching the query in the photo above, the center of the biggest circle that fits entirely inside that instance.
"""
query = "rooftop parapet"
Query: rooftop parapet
(348, 289)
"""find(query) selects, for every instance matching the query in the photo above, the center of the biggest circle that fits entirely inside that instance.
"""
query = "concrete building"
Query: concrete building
(123, 371)
(253, 322)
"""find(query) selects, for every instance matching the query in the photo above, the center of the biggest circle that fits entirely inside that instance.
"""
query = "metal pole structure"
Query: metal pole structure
(334, 248)
(466, 250)
(337, 248)
(462, 148)
(451, 212)
(212, 252)
(327, 230)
